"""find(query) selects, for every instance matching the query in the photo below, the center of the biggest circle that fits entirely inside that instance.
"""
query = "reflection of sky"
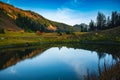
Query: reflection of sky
(54, 63)
(77, 60)
(12, 70)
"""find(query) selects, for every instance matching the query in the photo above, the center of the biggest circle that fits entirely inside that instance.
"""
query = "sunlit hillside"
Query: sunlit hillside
(28, 20)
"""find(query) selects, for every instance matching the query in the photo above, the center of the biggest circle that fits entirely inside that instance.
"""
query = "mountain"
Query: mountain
(12, 18)
(81, 27)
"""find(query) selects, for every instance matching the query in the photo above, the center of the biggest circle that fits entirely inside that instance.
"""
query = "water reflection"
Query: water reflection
(54, 62)
(10, 57)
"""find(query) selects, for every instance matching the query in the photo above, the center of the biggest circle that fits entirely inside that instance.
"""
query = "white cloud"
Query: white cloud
(64, 13)
(67, 15)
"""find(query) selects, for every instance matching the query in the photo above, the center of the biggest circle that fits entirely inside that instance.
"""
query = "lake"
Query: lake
(55, 61)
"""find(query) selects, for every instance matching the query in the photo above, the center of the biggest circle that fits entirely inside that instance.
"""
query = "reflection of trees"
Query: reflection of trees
(100, 49)
(101, 55)
(11, 57)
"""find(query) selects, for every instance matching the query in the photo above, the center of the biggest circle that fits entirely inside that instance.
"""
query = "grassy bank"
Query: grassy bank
(111, 36)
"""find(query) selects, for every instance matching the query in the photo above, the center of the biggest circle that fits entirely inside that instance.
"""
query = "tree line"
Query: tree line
(103, 22)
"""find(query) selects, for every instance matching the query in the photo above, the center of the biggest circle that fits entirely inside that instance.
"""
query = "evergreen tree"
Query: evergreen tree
(101, 21)
(118, 20)
(92, 25)
(108, 25)
(115, 18)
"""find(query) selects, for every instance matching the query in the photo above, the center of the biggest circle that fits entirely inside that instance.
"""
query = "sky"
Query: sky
(68, 11)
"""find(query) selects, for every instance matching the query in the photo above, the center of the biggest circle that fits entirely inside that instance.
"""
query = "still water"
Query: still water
(53, 62)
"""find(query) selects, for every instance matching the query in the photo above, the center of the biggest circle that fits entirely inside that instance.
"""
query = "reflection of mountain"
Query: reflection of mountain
(10, 57)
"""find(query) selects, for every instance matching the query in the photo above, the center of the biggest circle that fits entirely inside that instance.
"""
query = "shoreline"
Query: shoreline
(28, 44)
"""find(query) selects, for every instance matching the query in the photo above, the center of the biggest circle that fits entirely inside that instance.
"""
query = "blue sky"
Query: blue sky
(68, 11)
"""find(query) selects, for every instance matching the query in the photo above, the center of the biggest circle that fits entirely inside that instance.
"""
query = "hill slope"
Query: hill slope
(28, 20)
(7, 23)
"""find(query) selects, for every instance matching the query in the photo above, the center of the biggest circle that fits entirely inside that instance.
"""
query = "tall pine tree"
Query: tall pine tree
(108, 23)
(101, 21)
(92, 25)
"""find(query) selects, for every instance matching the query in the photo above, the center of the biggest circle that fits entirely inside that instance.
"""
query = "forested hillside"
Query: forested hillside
(28, 20)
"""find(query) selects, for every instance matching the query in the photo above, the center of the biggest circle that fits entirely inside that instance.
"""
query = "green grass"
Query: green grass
(107, 36)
